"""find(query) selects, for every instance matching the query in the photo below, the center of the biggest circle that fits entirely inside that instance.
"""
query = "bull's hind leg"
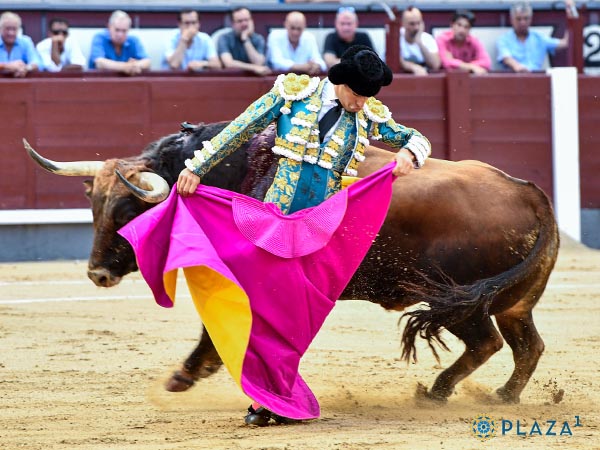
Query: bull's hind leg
(202, 363)
(520, 333)
(482, 340)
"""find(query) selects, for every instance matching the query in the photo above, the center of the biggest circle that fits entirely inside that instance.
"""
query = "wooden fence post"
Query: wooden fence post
(575, 30)
(392, 40)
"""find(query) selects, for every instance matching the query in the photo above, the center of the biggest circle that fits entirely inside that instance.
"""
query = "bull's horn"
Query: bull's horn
(159, 187)
(71, 169)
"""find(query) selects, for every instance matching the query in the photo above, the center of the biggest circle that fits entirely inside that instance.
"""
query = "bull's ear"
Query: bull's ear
(89, 185)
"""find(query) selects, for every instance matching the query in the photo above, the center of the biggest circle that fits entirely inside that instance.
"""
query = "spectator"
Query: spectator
(418, 49)
(58, 51)
(460, 50)
(242, 48)
(115, 49)
(17, 53)
(293, 50)
(344, 36)
(522, 49)
(189, 48)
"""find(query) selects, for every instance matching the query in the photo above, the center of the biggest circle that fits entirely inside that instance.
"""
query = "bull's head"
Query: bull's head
(120, 191)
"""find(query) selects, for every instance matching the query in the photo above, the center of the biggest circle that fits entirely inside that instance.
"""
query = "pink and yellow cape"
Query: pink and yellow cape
(263, 282)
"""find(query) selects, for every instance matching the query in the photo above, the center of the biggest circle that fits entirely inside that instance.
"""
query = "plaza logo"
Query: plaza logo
(485, 427)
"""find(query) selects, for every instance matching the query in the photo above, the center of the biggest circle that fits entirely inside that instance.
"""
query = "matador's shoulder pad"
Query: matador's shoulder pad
(295, 87)
(376, 111)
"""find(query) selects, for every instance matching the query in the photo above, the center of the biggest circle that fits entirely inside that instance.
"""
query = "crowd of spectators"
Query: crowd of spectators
(290, 49)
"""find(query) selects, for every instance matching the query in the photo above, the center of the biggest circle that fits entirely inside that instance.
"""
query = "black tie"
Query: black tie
(329, 119)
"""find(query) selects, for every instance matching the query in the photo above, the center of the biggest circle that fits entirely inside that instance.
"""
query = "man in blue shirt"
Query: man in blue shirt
(525, 50)
(17, 53)
(189, 48)
(113, 49)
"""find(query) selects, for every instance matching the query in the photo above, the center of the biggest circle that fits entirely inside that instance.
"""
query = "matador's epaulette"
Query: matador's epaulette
(295, 87)
(377, 111)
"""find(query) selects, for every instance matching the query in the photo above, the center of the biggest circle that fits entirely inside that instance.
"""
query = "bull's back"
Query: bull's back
(467, 220)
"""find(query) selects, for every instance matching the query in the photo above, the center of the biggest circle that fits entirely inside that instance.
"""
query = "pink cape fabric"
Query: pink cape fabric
(292, 268)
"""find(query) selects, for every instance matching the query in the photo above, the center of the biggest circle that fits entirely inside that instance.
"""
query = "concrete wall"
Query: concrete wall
(41, 234)
(45, 242)
(590, 227)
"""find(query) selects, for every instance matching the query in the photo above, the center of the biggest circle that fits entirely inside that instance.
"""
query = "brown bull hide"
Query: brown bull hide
(468, 240)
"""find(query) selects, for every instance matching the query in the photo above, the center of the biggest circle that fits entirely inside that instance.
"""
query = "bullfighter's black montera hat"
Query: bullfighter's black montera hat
(362, 70)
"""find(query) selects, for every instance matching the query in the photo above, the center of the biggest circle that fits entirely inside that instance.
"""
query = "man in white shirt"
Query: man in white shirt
(293, 50)
(58, 51)
(419, 52)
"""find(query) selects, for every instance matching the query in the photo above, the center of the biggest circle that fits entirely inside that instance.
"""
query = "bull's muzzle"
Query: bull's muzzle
(103, 278)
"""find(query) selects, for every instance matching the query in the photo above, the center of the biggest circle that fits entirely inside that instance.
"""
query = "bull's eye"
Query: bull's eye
(124, 219)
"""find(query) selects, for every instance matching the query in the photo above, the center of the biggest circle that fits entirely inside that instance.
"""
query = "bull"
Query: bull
(464, 237)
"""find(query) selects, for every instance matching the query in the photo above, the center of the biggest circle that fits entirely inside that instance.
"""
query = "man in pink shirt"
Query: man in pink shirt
(460, 50)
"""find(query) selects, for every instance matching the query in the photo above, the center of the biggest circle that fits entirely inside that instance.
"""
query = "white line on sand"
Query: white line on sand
(101, 298)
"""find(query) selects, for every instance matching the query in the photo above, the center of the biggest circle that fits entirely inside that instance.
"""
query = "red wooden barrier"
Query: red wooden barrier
(500, 119)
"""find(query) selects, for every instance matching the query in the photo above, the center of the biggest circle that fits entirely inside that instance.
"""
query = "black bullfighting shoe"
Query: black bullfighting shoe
(261, 417)
(258, 417)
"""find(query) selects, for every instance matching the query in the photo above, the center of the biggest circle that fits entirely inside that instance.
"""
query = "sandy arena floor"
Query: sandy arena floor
(83, 368)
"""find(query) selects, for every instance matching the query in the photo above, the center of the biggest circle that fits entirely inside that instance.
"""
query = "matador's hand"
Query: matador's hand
(187, 182)
(404, 162)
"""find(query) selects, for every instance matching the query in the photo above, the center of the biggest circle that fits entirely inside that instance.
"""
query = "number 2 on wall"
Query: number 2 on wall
(591, 46)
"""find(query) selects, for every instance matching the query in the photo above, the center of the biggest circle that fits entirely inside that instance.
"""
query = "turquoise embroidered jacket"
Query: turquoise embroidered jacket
(294, 102)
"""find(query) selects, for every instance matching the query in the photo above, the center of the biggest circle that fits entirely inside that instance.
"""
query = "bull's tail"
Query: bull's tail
(450, 304)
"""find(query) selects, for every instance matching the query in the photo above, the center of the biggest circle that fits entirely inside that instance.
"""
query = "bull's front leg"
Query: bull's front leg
(202, 363)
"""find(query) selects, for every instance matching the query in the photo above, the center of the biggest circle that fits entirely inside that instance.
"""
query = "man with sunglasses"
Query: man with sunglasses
(17, 53)
(58, 51)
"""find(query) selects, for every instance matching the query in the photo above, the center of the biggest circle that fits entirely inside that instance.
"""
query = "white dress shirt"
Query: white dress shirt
(281, 55)
(71, 55)
(328, 98)
(412, 52)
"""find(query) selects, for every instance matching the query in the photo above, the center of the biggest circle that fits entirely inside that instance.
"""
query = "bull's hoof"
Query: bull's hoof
(423, 393)
(506, 396)
(207, 370)
(180, 381)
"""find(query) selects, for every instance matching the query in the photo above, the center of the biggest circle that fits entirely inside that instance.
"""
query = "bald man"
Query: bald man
(344, 36)
(419, 52)
(293, 50)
